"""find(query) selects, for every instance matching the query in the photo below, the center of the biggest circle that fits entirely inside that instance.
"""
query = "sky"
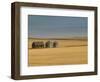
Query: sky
(40, 26)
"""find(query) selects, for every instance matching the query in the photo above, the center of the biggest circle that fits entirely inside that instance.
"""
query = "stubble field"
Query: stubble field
(69, 51)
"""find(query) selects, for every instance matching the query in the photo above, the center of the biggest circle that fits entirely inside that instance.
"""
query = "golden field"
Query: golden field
(69, 51)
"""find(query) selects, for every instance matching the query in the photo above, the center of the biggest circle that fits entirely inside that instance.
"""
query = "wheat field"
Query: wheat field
(69, 51)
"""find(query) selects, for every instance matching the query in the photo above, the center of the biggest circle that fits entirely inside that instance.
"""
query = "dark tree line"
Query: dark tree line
(41, 44)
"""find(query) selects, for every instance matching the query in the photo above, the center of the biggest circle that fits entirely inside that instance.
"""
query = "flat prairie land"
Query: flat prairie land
(69, 51)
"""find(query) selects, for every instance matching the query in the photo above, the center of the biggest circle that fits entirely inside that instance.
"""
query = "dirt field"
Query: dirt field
(67, 52)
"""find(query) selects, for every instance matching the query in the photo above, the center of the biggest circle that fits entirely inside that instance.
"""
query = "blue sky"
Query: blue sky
(57, 26)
